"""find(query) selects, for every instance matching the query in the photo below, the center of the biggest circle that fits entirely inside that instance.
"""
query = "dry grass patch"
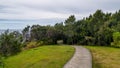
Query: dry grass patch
(105, 57)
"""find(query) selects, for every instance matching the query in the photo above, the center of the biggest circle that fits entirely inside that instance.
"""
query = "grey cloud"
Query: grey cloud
(29, 12)
(9, 12)
(2, 6)
(78, 7)
(111, 5)
(4, 9)
(59, 9)
(67, 6)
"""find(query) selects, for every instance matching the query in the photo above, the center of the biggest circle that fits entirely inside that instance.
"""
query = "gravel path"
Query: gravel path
(81, 59)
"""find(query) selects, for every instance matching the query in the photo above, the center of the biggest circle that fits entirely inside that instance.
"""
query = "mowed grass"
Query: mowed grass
(105, 57)
(41, 57)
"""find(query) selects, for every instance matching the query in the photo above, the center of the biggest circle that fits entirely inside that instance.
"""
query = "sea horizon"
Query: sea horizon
(10, 30)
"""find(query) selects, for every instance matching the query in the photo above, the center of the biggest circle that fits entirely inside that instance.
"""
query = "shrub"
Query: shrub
(33, 44)
(40, 43)
(116, 39)
(9, 44)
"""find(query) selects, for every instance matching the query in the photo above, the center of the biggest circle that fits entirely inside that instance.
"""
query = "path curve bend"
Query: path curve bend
(81, 59)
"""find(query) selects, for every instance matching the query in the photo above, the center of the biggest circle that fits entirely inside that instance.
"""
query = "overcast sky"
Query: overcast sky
(16, 14)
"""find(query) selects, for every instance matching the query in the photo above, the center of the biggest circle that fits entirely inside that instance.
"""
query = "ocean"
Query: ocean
(10, 30)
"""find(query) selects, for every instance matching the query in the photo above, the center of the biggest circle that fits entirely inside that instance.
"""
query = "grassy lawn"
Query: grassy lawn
(105, 57)
(41, 57)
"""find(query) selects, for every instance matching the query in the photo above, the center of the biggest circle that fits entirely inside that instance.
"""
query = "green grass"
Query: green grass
(105, 57)
(41, 57)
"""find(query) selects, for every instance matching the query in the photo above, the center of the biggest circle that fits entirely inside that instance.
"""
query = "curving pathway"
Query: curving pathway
(81, 59)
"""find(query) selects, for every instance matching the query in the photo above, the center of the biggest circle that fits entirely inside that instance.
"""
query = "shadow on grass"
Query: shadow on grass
(96, 65)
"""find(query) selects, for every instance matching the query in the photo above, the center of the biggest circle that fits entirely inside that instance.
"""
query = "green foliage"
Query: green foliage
(70, 20)
(69, 29)
(38, 32)
(116, 39)
(9, 44)
(97, 29)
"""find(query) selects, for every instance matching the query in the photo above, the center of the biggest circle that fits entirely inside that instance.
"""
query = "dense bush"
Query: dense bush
(9, 44)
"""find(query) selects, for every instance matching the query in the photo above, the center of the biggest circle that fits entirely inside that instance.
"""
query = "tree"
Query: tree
(69, 29)
(51, 35)
(38, 32)
(96, 29)
(79, 31)
(26, 34)
(59, 27)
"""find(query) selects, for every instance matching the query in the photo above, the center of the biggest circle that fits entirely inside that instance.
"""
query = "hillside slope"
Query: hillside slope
(41, 57)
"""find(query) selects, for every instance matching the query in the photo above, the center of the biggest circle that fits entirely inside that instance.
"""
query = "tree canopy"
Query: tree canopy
(96, 29)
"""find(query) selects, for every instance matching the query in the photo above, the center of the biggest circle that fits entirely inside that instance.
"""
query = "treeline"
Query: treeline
(98, 29)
